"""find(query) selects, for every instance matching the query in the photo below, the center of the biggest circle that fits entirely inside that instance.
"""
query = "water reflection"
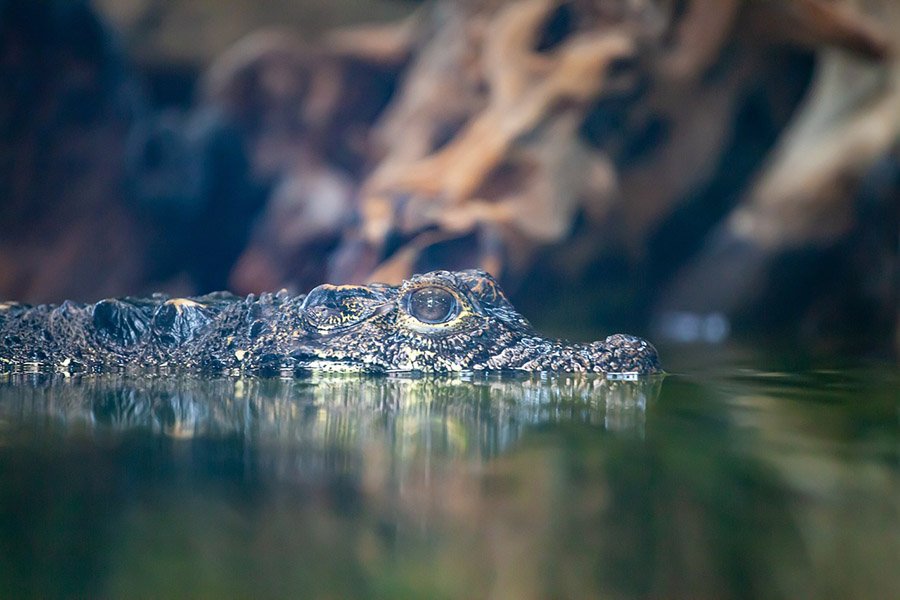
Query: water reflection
(735, 483)
(449, 416)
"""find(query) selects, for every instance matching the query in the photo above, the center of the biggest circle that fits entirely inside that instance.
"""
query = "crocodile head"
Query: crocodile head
(446, 321)
(437, 322)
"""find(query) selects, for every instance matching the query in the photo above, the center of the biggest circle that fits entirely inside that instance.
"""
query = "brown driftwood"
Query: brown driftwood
(481, 79)
(807, 195)
(482, 138)
(481, 158)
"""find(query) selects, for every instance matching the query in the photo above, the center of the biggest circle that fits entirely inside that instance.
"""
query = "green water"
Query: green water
(730, 479)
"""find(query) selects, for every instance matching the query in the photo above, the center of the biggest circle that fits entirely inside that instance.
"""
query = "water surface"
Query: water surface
(725, 481)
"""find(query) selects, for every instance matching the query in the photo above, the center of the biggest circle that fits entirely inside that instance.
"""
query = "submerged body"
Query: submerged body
(437, 322)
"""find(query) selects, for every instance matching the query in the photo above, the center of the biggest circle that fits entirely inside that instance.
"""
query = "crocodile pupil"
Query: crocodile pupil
(432, 305)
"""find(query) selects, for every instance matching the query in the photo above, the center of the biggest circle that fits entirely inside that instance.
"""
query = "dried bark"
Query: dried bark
(513, 175)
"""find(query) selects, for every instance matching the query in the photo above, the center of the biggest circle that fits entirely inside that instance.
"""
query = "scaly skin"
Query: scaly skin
(438, 322)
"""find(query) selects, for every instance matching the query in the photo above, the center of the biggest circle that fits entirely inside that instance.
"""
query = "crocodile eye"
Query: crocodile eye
(432, 305)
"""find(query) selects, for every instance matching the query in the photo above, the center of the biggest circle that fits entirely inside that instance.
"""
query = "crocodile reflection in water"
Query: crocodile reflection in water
(330, 411)
(438, 322)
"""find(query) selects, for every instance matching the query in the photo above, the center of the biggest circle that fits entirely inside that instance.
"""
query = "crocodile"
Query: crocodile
(436, 322)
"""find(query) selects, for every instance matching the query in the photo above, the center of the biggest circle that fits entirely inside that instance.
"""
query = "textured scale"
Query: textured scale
(437, 322)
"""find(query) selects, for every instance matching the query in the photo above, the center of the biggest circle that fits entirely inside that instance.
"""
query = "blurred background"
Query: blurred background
(687, 169)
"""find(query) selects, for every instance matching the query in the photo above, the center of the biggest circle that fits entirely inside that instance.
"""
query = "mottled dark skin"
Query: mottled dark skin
(438, 322)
